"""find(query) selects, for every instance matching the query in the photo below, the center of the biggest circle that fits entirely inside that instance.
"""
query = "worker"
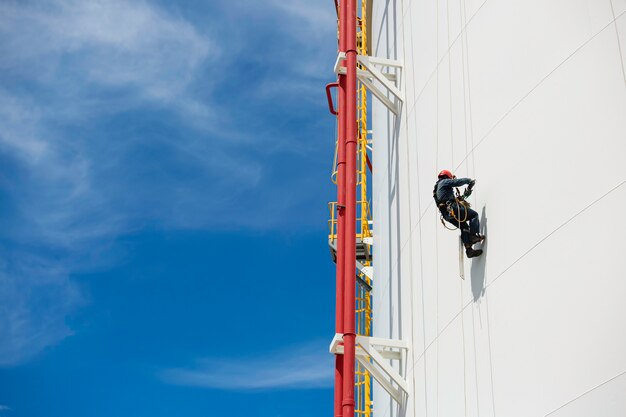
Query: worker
(455, 210)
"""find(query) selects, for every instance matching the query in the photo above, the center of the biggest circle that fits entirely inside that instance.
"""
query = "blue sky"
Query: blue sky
(164, 173)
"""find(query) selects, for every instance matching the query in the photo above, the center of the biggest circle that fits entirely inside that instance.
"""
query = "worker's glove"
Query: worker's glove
(468, 190)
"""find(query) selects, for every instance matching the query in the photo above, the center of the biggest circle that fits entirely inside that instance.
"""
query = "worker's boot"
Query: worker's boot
(472, 253)
(476, 238)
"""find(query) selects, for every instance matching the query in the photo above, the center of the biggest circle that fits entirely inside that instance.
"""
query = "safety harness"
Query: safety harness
(459, 200)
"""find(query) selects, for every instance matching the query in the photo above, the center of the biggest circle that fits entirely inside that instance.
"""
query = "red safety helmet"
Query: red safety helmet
(445, 174)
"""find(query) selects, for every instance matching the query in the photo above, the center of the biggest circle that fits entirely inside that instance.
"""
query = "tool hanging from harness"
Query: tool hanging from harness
(459, 200)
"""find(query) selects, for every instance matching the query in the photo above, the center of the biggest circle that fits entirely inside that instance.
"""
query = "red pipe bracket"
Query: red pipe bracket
(331, 106)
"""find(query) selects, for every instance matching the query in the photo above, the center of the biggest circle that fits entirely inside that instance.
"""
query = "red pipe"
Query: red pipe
(341, 197)
(341, 241)
(349, 335)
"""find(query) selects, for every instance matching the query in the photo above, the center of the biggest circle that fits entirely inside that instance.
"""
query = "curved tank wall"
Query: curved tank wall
(529, 98)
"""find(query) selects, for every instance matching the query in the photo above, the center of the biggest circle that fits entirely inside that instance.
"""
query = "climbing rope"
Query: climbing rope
(460, 201)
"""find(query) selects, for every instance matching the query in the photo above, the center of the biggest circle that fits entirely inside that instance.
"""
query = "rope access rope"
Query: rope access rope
(459, 202)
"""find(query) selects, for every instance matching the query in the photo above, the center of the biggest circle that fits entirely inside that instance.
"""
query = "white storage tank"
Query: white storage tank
(529, 98)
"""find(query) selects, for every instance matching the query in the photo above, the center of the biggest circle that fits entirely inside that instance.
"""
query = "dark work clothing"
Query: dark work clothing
(469, 227)
(445, 188)
(444, 192)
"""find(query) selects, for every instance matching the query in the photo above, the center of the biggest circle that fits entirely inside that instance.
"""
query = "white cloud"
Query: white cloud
(310, 27)
(114, 44)
(71, 63)
(88, 60)
(67, 67)
(297, 368)
(19, 132)
(35, 296)
(314, 15)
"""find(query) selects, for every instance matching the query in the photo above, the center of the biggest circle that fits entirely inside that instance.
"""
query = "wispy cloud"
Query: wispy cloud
(116, 116)
(35, 296)
(307, 29)
(75, 47)
(68, 68)
(77, 66)
(4, 408)
(305, 367)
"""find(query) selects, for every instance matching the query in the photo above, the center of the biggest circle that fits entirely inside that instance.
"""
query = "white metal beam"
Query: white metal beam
(380, 377)
(379, 95)
(387, 354)
(367, 74)
(337, 348)
(367, 270)
(383, 61)
(341, 56)
(371, 73)
(367, 63)
(338, 338)
(373, 353)
(379, 341)
(382, 364)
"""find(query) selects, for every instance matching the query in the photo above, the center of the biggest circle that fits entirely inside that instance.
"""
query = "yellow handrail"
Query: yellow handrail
(363, 403)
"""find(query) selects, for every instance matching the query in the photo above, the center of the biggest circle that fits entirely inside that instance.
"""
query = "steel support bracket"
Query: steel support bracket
(369, 73)
(368, 271)
(373, 353)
